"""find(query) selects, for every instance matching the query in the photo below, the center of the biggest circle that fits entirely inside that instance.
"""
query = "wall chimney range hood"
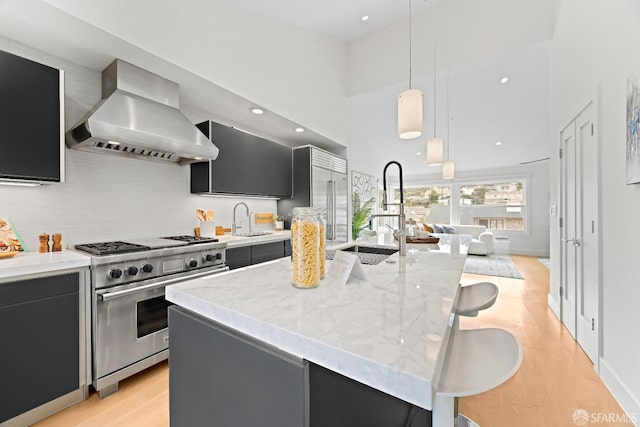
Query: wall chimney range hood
(139, 117)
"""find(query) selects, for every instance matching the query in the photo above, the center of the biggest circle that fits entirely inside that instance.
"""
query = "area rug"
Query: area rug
(491, 265)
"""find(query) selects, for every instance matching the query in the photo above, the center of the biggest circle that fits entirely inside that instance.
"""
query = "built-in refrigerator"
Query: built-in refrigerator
(320, 181)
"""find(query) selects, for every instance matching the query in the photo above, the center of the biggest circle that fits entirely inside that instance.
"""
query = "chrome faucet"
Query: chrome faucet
(234, 226)
(402, 240)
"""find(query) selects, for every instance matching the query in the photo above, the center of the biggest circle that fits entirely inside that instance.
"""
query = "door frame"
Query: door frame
(593, 98)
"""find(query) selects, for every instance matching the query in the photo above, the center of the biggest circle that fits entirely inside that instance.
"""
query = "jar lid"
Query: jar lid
(306, 210)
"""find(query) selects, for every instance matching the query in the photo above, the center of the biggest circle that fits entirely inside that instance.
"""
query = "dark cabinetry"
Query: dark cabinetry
(219, 377)
(222, 377)
(246, 164)
(40, 336)
(248, 255)
(31, 117)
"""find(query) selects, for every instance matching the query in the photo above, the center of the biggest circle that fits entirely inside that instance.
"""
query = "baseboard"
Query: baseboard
(530, 252)
(554, 305)
(630, 404)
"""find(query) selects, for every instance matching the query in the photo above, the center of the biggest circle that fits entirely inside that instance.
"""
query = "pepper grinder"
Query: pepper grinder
(44, 243)
(57, 245)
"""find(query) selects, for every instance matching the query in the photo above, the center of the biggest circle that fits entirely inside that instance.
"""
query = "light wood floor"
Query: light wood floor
(555, 378)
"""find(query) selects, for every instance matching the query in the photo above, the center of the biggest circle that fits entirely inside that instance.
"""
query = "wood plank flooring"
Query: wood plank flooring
(555, 379)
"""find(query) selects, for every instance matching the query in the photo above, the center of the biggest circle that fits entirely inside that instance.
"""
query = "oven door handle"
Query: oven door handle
(106, 295)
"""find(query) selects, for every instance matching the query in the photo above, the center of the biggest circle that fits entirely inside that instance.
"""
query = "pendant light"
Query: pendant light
(434, 145)
(410, 104)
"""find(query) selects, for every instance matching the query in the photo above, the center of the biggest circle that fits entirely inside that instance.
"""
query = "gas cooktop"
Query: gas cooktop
(140, 245)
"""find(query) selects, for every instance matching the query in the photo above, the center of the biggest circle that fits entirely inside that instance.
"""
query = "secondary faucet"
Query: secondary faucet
(234, 226)
(402, 240)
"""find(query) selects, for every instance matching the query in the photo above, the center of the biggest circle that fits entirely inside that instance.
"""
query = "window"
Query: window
(427, 204)
(497, 206)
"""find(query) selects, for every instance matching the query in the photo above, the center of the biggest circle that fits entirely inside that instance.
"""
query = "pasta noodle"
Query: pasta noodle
(305, 254)
(322, 249)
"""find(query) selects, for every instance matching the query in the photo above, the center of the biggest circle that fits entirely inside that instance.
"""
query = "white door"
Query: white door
(580, 246)
(568, 231)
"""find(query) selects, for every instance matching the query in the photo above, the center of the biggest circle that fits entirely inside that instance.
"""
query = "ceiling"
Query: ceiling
(340, 19)
(482, 112)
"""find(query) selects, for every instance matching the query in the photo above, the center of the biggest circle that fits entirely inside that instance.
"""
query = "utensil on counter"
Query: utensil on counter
(209, 215)
(201, 215)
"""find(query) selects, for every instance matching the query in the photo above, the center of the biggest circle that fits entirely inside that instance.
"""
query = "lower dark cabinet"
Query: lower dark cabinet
(238, 257)
(220, 378)
(40, 333)
(248, 255)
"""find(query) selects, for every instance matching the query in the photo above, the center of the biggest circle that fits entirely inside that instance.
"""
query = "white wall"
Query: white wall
(292, 72)
(107, 197)
(595, 50)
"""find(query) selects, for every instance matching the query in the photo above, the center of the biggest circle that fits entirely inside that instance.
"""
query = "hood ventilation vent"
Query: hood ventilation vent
(139, 117)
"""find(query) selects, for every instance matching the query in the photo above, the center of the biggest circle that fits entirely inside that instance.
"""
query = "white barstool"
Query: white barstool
(476, 297)
(477, 360)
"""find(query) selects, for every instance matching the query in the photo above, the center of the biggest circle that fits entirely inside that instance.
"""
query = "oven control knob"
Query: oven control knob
(114, 273)
(192, 263)
(132, 271)
(147, 268)
(209, 257)
(218, 255)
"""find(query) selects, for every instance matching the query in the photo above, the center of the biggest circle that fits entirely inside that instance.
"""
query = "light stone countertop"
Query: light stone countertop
(387, 331)
(237, 241)
(34, 263)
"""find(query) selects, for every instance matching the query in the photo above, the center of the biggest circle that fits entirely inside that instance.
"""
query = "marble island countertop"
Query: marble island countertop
(388, 331)
(237, 241)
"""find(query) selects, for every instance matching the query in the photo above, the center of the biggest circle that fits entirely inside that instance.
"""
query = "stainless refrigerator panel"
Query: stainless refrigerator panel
(341, 204)
(321, 189)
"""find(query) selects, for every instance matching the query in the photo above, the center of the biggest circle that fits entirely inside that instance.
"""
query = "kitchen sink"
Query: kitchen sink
(370, 250)
(366, 254)
(254, 234)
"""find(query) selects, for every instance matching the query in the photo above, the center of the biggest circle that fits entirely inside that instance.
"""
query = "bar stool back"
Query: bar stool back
(476, 297)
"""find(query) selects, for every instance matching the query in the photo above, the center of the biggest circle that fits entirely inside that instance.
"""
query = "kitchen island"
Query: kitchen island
(387, 334)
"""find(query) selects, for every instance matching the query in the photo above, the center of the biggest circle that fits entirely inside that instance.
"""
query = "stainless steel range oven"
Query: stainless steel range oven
(129, 311)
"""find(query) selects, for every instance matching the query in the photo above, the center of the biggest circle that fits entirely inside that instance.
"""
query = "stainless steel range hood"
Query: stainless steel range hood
(139, 117)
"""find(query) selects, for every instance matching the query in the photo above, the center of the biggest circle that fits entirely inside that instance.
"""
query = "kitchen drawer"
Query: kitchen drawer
(238, 257)
(267, 252)
(34, 289)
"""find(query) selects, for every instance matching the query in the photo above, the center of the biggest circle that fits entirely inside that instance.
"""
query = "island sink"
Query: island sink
(370, 250)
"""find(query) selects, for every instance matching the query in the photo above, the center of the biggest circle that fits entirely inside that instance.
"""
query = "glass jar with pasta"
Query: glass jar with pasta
(305, 247)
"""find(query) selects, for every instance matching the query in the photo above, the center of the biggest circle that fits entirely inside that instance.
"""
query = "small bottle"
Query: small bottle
(305, 248)
(44, 243)
(57, 242)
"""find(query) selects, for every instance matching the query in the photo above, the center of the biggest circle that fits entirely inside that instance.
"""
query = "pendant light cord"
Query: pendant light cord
(434, 69)
(410, 49)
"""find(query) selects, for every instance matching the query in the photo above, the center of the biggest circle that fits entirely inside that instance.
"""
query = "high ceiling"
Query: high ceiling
(491, 38)
(340, 19)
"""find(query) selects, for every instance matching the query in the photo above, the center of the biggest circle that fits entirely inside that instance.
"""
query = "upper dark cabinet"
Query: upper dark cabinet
(246, 165)
(31, 120)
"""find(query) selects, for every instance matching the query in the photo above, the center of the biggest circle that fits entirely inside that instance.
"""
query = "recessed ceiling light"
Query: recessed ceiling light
(299, 129)
(365, 18)
(419, 153)
(498, 143)
(504, 80)
(256, 110)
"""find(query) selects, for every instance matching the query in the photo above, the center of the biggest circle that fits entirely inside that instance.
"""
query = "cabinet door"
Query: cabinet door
(282, 171)
(267, 252)
(238, 257)
(258, 167)
(221, 378)
(228, 170)
(30, 111)
(39, 332)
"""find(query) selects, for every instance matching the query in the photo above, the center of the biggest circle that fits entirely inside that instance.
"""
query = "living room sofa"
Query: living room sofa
(481, 239)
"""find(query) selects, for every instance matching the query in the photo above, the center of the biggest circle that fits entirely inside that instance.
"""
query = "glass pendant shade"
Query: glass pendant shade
(448, 169)
(410, 114)
(434, 152)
